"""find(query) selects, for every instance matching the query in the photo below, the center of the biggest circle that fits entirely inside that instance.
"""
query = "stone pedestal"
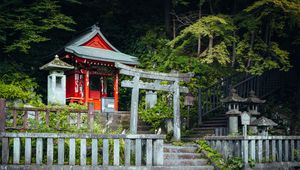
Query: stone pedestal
(233, 125)
(253, 128)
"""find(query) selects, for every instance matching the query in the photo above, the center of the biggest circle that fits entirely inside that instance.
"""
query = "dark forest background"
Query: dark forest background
(212, 38)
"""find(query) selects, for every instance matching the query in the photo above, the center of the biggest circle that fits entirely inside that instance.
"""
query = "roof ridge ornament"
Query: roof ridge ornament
(96, 27)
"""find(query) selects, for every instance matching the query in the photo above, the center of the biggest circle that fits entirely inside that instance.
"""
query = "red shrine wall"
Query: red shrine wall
(75, 87)
(97, 42)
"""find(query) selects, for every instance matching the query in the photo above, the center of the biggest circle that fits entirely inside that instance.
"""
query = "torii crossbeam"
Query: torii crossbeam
(137, 84)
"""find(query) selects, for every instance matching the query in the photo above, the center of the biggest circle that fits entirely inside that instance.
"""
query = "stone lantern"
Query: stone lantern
(233, 101)
(253, 102)
(189, 101)
(56, 80)
(263, 124)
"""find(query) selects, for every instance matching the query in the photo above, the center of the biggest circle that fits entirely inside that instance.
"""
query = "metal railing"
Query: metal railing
(263, 85)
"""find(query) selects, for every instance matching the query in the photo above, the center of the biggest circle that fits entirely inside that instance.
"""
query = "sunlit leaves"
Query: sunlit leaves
(217, 28)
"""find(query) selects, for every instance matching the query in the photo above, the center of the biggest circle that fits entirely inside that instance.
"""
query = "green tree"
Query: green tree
(23, 24)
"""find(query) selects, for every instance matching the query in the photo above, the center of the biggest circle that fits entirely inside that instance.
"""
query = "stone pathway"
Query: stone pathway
(184, 157)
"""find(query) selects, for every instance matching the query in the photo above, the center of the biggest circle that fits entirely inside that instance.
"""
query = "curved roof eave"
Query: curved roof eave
(131, 60)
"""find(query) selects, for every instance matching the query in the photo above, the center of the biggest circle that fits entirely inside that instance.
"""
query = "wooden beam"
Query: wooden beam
(153, 86)
(130, 71)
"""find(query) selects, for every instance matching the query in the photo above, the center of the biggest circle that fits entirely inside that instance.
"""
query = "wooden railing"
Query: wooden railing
(209, 98)
(262, 149)
(66, 150)
(28, 118)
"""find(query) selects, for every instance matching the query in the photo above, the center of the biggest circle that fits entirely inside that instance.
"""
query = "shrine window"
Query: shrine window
(94, 83)
(110, 87)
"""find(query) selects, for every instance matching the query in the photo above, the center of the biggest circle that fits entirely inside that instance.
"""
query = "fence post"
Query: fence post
(91, 116)
(245, 151)
(2, 114)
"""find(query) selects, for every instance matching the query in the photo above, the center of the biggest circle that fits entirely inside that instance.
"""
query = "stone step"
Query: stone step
(216, 118)
(179, 149)
(204, 167)
(185, 162)
(215, 121)
(182, 155)
(203, 129)
(214, 125)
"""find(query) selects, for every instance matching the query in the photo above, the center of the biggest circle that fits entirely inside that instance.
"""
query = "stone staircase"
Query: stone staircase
(216, 125)
(184, 157)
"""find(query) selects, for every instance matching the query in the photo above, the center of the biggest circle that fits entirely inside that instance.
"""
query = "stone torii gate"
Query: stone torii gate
(137, 84)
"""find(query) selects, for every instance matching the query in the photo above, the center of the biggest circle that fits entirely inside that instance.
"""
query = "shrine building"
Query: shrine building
(94, 77)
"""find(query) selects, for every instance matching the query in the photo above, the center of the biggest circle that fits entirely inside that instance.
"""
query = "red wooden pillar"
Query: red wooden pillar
(86, 87)
(116, 91)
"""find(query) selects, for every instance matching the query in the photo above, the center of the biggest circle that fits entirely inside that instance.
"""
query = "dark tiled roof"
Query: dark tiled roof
(101, 54)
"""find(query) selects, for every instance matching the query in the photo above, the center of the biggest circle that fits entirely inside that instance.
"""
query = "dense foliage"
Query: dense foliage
(157, 115)
(211, 38)
(216, 158)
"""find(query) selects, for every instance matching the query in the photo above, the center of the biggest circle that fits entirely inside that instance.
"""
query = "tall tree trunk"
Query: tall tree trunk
(211, 7)
(199, 38)
(251, 47)
(267, 32)
(167, 17)
(270, 33)
(174, 28)
(233, 51)
(234, 36)
(210, 44)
